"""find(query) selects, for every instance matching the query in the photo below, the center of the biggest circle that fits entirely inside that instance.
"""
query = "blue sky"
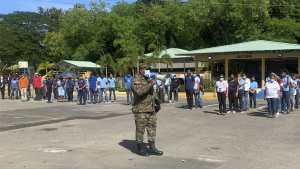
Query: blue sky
(9, 6)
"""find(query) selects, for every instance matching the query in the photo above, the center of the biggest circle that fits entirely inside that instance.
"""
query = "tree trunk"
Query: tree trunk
(159, 65)
(133, 72)
(106, 70)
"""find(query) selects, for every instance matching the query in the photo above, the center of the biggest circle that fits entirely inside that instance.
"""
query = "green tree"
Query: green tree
(44, 66)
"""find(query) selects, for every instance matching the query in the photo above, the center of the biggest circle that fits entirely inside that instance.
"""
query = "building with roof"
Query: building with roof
(180, 63)
(256, 58)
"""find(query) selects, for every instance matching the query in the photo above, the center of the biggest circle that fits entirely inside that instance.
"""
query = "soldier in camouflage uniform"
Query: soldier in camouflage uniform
(145, 99)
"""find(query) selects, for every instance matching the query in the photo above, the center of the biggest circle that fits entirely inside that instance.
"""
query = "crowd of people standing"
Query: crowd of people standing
(280, 91)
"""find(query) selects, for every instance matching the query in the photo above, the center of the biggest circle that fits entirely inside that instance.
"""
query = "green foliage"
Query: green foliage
(117, 35)
(44, 66)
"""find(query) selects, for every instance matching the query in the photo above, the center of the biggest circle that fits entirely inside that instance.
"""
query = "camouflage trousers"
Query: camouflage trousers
(142, 121)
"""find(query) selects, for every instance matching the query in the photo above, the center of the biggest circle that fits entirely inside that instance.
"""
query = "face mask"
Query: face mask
(272, 80)
(231, 78)
(294, 78)
(283, 74)
(194, 75)
(221, 79)
(22, 77)
(147, 73)
(244, 77)
(175, 77)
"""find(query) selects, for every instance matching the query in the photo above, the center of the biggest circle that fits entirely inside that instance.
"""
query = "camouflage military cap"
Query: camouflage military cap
(144, 66)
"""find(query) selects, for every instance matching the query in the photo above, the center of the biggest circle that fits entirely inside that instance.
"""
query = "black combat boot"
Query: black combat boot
(141, 151)
(153, 150)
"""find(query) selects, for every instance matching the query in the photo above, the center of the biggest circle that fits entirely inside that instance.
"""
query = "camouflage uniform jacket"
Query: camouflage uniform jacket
(144, 95)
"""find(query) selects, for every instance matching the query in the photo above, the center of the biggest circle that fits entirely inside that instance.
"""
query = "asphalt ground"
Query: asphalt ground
(65, 135)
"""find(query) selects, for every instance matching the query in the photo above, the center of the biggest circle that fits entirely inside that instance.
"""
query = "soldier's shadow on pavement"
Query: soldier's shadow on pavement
(212, 112)
(259, 114)
(132, 145)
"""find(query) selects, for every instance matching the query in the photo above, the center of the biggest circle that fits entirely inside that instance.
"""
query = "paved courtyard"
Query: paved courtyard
(37, 135)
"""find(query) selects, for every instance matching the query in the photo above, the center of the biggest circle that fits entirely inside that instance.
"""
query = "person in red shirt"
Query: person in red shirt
(37, 86)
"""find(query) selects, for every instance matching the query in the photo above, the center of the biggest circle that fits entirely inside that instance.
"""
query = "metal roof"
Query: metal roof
(77, 64)
(172, 52)
(260, 46)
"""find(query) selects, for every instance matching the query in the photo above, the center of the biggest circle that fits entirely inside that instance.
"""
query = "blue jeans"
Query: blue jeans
(292, 100)
(167, 91)
(279, 102)
(175, 94)
(82, 95)
(252, 97)
(70, 94)
(112, 89)
(297, 99)
(197, 99)
(77, 93)
(49, 92)
(101, 96)
(93, 94)
(129, 93)
(272, 104)
(87, 95)
(66, 95)
(245, 99)
(13, 93)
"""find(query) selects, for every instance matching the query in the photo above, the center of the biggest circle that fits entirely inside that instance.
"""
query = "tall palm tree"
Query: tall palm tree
(158, 56)
(44, 66)
(105, 61)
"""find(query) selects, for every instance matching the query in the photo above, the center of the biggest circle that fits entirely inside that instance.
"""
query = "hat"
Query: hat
(36, 73)
(128, 72)
(143, 66)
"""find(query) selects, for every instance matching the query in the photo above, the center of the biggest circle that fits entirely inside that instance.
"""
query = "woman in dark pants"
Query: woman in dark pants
(241, 90)
(222, 90)
(233, 86)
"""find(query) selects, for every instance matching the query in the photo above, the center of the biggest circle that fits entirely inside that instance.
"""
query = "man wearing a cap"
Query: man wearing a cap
(127, 83)
(145, 99)
(37, 86)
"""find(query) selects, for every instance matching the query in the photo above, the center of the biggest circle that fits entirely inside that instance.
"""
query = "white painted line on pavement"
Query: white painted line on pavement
(210, 105)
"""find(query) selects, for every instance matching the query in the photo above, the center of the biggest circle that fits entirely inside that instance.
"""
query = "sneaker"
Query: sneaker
(193, 108)
(229, 112)
(107, 102)
(115, 101)
(233, 112)
(170, 101)
(278, 114)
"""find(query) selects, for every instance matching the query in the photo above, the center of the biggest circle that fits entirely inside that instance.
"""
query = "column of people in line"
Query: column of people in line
(280, 91)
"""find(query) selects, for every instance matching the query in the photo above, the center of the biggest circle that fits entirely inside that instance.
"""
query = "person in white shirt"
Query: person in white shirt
(246, 92)
(197, 90)
(222, 90)
(272, 95)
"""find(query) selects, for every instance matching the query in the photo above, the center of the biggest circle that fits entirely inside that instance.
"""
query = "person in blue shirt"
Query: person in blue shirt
(103, 84)
(87, 94)
(14, 87)
(98, 88)
(168, 89)
(286, 91)
(76, 83)
(160, 86)
(252, 92)
(112, 87)
(92, 88)
(127, 84)
(297, 92)
(61, 91)
(70, 88)
(241, 82)
(81, 85)
(293, 91)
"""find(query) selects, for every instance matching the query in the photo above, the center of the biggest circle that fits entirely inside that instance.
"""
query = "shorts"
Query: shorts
(61, 92)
